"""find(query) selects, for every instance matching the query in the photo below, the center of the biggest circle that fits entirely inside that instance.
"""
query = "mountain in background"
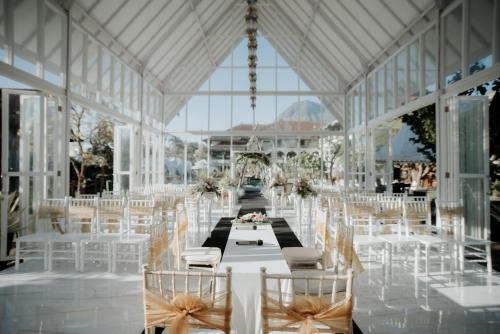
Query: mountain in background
(309, 111)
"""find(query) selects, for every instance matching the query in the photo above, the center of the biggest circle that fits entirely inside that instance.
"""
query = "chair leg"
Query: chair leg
(50, 247)
(82, 256)
(417, 259)
(18, 255)
(489, 266)
(427, 251)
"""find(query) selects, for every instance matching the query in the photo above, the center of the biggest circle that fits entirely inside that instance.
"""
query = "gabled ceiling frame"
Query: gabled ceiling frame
(136, 16)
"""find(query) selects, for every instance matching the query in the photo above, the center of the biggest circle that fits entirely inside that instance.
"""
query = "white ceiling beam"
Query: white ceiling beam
(134, 18)
(247, 93)
(203, 34)
(303, 41)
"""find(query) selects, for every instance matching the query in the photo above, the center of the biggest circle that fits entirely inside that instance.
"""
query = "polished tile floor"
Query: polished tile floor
(388, 301)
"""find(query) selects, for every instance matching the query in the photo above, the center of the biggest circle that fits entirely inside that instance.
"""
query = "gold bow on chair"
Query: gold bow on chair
(309, 310)
(175, 313)
(350, 256)
(181, 231)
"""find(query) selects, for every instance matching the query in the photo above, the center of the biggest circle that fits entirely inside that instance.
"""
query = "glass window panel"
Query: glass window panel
(240, 54)
(3, 36)
(401, 78)
(220, 113)
(389, 85)
(311, 113)
(117, 84)
(413, 85)
(26, 35)
(178, 122)
(303, 87)
(372, 100)
(453, 46)
(380, 92)
(265, 79)
(240, 79)
(92, 56)
(204, 86)
(480, 36)
(125, 149)
(287, 79)
(221, 79)
(127, 82)
(242, 113)
(362, 108)
(281, 61)
(105, 76)
(265, 53)
(198, 113)
(265, 112)
(430, 69)
(54, 40)
(77, 38)
(471, 137)
(356, 107)
(288, 113)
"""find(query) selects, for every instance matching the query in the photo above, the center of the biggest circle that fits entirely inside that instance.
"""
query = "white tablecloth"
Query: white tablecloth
(246, 262)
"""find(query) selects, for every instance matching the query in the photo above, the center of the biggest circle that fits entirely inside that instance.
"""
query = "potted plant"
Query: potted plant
(13, 220)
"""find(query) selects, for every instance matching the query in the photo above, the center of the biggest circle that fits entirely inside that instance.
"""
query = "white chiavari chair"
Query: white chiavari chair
(450, 220)
(180, 300)
(323, 304)
(191, 256)
(310, 257)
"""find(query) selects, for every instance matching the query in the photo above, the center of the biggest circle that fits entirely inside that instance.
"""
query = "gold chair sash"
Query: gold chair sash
(176, 313)
(306, 311)
(159, 246)
(450, 213)
(328, 246)
(181, 230)
(350, 256)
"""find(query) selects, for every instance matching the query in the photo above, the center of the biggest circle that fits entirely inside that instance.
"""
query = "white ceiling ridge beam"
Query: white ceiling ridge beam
(303, 41)
(349, 40)
(136, 16)
(393, 42)
(203, 34)
(149, 50)
(259, 93)
(321, 59)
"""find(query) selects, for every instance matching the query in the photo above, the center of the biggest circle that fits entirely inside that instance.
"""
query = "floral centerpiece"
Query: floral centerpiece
(252, 218)
(228, 182)
(303, 188)
(278, 181)
(206, 185)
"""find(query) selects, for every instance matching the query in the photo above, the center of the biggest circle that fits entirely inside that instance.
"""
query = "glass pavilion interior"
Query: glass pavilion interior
(118, 116)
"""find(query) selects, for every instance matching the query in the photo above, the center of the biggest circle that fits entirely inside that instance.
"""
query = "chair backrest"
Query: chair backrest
(83, 211)
(324, 302)
(54, 210)
(179, 241)
(159, 244)
(450, 218)
(344, 250)
(322, 232)
(179, 300)
(417, 209)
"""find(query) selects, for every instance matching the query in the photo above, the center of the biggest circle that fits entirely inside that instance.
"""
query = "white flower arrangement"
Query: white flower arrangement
(252, 218)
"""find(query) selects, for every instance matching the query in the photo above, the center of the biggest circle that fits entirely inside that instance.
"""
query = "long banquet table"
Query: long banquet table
(246, 261)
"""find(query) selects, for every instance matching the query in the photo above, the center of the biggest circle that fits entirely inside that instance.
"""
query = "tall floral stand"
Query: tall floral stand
(303, 207)
(276, 201)
(231, 195)
(209, 197)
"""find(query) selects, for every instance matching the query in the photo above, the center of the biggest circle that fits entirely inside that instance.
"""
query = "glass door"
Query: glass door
(123, 157)
(470, 120)
(383, 160)
(31, 137)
